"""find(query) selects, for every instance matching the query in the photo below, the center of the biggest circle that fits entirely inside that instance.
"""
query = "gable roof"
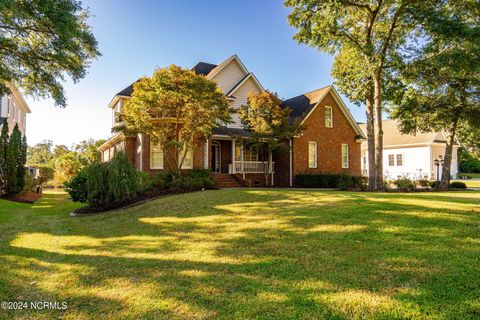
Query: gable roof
(203, 68)
(224, 63)
(242, 81)
(393, 137)
(303, 105)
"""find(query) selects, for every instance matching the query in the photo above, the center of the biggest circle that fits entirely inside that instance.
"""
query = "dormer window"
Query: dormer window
(328, 117)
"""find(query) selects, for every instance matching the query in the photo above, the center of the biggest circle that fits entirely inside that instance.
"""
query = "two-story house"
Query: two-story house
(330, 143)
(14, 108)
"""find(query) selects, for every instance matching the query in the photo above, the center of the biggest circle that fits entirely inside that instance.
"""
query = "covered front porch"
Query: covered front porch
(228, 154)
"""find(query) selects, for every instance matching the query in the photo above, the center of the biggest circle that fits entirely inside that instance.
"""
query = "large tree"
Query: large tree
(365, 36)
(41, 42)
(41, 154)
(176, 108)
(271, 127)
(442, 81)
(88, 150)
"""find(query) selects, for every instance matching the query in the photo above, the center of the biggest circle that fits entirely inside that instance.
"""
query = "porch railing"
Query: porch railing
(250, 167)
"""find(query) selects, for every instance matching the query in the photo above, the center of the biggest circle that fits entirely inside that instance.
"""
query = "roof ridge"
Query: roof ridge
(305, 93)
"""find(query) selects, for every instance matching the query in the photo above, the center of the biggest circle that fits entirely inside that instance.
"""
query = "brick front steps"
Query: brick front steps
(225, 180)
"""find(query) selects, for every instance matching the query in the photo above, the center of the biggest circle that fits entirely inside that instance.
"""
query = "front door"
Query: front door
(215, 162)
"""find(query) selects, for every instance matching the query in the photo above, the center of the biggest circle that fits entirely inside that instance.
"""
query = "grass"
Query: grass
(471, 175)
(252, 253)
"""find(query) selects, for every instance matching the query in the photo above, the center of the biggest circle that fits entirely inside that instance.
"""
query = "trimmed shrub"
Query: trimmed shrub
(149, 182)
(329, 180)
(470, 166)
(404, 184)
(433, 184)
(77, 187)
(194, 180)
(458, 185)
(424, 183)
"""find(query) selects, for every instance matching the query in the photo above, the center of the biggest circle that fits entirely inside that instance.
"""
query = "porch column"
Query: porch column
(241, 159)
(270, 166)
(205, 154)
(233, 156)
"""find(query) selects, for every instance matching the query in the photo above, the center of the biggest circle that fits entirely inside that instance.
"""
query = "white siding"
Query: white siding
(4, 106)
(415, 163)
(241, 96)
(229, 76)
(437, 151)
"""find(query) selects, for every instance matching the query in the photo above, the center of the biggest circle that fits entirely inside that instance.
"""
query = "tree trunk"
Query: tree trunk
(378, 132)
(370, 143)
(447, 159)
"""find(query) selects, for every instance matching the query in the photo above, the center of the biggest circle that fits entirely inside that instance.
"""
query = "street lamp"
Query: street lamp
(438, 162)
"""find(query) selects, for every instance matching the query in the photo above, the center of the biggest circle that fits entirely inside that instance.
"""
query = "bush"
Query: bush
(458, 185)
(433, 184)
(404, 184)
(424, 183)
(77, 187)
(329, 180)
(194, 180)
(470, 166)
(105, 185)
(30, 183)
(149, 182)
(112, 183)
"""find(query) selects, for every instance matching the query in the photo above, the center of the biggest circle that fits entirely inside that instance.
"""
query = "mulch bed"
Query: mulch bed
(24, 197)
(149, 195)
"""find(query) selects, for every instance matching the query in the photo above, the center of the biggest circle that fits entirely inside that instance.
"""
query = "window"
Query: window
(112, 152)
(106, 155)
(249, 154)
(345, 160)
(399, 160)
(156, 156)
(328, 117)
(391, 160)
(312, 154)
(188, 161)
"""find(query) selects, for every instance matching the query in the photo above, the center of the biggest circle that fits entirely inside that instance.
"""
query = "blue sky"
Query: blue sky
(135, 37)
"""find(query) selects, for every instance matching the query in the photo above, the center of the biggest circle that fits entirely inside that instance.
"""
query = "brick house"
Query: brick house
(330, 143)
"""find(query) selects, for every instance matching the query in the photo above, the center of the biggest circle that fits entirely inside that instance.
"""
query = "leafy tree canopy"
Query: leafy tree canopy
(174, 107)
(41, 42)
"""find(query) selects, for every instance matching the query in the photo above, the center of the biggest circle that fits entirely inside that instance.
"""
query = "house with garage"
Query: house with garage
(330, 143)
(411, 156)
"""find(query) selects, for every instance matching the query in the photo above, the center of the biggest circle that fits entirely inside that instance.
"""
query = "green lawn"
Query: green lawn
(233, 254)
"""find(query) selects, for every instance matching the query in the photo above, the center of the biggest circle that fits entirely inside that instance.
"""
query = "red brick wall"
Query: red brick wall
(329, 142)
(198, 156)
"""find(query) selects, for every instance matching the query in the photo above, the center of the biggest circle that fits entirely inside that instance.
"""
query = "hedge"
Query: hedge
(329, 180)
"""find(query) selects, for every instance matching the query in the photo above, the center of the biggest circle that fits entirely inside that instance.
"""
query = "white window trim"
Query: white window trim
(347, 165)
(151, 158)
(388, 160)
(331, 116)
(315, 154)
(396, 159)
(183, 164)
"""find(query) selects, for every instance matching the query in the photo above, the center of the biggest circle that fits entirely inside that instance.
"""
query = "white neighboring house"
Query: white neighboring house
(14, 108)
(410, 156)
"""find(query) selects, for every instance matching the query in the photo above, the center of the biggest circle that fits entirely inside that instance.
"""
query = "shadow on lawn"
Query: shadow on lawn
(257, 253)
